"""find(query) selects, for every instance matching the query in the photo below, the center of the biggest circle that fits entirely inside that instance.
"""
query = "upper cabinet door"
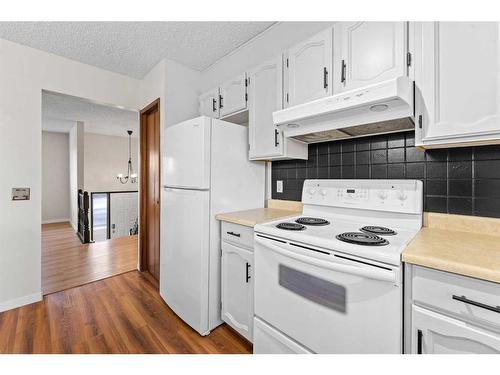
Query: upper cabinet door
(457, 79)
(265, 92)
(209, 103)
(233, 96)
(371, 52)
(309, 69)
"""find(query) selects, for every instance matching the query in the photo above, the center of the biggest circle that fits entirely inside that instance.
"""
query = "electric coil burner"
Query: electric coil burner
(290, 226)
(381, 231)
(312, 221)
(360, 238)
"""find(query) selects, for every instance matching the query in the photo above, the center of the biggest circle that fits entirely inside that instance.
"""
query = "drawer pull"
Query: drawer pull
(478, 304)
(234, 234)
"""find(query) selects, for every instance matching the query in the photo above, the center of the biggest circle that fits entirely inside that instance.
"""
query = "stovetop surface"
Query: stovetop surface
(324, 236)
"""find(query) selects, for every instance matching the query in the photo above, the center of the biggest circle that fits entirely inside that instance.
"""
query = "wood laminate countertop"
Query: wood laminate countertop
(250, 218)
(465, 253)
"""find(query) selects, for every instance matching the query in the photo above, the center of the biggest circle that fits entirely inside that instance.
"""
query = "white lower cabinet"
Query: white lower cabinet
(435, 333)
(237, 287)
(452, 314)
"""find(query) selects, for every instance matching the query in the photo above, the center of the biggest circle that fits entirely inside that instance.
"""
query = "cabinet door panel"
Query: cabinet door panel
(372, 52)
(265, 92)
(209, 104)
(457, 82)
(433, 333)
(237, 289)
(233, 95)
(309, 69)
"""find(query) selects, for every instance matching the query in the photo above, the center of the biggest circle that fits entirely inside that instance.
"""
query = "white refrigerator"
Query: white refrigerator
(206, 171)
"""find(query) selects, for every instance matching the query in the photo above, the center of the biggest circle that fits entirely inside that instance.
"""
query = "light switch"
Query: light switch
(279, 186)
(20, 194)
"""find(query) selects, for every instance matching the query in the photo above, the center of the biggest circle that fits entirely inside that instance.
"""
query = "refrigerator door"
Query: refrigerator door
(184, 255)
(186, 157)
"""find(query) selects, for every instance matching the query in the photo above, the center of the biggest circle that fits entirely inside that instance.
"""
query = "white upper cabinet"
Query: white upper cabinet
(233, 95)
(209, 103)
(308, 73)
(457, 78)
(369, 52)
(265, 95)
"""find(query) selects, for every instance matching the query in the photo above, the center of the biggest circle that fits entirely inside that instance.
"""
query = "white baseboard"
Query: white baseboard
(75, 228)
(55, 221)
(21, 301)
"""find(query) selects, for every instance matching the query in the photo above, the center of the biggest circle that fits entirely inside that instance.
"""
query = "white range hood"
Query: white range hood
(385, 107)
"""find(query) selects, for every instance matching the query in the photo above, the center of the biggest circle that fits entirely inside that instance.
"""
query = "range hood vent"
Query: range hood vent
(386, 107)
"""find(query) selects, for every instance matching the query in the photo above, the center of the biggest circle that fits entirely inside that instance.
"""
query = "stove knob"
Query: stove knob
(311, 191)
(382, 194)
(402, 196)
(323, 192)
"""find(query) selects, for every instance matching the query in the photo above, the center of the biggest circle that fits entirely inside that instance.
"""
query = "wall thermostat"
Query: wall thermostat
(20, 194)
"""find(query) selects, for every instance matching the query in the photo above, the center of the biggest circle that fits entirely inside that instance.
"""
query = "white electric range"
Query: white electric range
(330, 280)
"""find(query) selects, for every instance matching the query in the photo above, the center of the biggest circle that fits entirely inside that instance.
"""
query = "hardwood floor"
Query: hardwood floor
(121, 314)
(67, 263)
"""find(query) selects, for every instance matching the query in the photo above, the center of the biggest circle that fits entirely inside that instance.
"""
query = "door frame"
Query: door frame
(143, 215)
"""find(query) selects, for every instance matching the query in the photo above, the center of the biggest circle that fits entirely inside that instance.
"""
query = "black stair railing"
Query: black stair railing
(83, 216)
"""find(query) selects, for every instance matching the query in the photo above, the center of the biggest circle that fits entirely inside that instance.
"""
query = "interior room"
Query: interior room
(250, 187)
(89, 191)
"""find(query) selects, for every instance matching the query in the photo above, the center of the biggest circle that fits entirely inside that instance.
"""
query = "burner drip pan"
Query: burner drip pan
(312, 221)
(290, 226)
(360, 238)
(380, 231)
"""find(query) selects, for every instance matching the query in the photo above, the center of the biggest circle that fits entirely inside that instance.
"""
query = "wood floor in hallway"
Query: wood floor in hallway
(67, 263)
(120, 314)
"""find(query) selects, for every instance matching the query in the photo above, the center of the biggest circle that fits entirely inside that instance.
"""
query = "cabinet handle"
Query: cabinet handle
(419, 341)
(276, 142)
(464, 299)
(248, 277)
(234, 234)
(325, 78)
(214, 102)
(220, 101)
(342, 74)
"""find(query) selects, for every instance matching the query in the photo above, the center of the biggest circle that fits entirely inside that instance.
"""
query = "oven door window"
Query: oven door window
(313, 288)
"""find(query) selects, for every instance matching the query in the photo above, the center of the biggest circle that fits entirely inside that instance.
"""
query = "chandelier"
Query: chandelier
(130, 172)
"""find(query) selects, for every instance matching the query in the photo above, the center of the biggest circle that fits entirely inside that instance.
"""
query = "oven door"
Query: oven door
(328, 303)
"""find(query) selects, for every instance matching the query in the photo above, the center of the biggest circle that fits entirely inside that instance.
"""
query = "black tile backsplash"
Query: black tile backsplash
(457, 180)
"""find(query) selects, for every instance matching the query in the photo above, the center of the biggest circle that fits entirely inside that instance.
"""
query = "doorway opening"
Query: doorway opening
(149, 229)
(90, 210)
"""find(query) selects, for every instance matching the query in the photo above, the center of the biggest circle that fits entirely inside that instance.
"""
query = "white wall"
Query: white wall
(24, 72)
(263, 47)
(104, 157)
(55, 177)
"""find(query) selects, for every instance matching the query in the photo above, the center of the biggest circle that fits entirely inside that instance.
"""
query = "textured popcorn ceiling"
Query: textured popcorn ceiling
(60, 113)
(133, 48)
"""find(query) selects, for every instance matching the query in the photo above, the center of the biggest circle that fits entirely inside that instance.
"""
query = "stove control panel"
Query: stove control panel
(382, 195)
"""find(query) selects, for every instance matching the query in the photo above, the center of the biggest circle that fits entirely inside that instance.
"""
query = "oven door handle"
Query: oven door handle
(370, 272)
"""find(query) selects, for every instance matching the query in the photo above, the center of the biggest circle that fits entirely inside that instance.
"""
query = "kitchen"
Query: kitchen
(335, 190)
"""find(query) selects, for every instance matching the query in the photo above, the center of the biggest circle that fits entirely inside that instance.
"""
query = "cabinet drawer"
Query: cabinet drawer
(237, 234)
(464, 297)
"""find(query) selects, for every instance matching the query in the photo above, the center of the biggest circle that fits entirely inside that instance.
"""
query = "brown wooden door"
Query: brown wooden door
(150, 190)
